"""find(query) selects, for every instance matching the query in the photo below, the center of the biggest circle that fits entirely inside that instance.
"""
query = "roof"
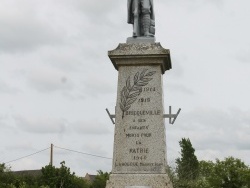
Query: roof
(28, 173)
(89, 177)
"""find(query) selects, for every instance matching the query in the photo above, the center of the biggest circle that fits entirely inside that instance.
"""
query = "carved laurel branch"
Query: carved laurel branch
(129, 94)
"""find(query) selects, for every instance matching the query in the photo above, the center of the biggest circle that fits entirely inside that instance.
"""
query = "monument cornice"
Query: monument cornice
(142, 54)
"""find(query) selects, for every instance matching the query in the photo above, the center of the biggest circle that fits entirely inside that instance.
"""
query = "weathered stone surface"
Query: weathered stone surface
(139, 157)
(139, 180)
(139, 130)
(133, 40)
(138, 187)
(141, 54)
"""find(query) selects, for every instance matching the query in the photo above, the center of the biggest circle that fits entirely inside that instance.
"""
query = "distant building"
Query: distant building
(90, 178)
(28, 173)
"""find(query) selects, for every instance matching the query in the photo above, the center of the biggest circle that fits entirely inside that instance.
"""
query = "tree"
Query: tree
(228, 173)
(171, 171)
(79, 182)
(190, 173)
(187, 168)
(52, 177)
(188, 164)
(49, 176)
(100, 179)
(61, 177)
(6, 176)
(2, 168)
(206, 168)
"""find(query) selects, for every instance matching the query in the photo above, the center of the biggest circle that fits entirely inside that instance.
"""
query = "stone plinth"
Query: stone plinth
(132, 40)
(139, 157)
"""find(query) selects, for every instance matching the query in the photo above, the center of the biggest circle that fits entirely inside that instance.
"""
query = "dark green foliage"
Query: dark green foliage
(6, 177)
(61, 177)
(172, 174)
(2, 168)
(190, 173)
(51, 177)
(229, 173)
(79, 182)
(100, 180)
(187, 166)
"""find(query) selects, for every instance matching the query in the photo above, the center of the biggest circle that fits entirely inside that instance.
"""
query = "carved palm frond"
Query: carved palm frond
(129, 94)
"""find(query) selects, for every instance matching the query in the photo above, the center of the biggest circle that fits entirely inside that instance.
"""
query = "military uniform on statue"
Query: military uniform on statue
(141, 15)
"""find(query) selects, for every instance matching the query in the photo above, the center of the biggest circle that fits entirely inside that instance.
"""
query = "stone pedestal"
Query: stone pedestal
(139, 157)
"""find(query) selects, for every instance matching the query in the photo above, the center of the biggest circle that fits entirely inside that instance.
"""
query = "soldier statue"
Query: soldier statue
(141, 15)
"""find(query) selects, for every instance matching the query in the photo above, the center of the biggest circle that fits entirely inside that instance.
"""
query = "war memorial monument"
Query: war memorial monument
(139, 155)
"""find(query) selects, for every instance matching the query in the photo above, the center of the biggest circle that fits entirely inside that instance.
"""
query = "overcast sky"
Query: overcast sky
(56, 78)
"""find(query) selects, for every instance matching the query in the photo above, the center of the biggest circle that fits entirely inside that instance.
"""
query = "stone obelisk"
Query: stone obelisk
(139, 156)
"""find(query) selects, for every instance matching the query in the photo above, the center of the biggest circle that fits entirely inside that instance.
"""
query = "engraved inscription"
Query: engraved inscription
(139, 164)
(141, 115)
(127, 164)
(146, 135)
(138, 142)
(149, 89)
(132, 135)
(139, 127)
(146, 164)
(144, 100)
(130, 93)
(137, 158)
(138, 150)
(143, 112)
(137, 135)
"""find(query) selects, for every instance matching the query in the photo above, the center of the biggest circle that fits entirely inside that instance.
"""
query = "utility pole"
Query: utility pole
(51, 154)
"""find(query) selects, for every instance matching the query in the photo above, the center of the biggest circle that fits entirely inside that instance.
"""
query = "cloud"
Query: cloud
(213, 129)
(214, 133)
(179, 88)
(6, 123)
(27, 164)
(90, 165)
(48, 79)
(198, 4)
(95, 149)
(2, 118)
(99, 85)
(23, 29)
(177, 68)
(4, 88)
(21, 146)
(66, 58)
(41, 125)
(89, 127)
(95, 10)
(2, 157)
(243, 56)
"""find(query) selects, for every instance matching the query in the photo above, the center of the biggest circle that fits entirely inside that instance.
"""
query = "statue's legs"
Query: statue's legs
(136, 14)
(146, 18)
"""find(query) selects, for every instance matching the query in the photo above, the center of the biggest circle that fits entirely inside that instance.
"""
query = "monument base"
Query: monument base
(133, 40)
(139, 180)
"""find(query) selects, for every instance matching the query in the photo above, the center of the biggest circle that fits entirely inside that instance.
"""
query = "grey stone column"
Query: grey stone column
(139, 156)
